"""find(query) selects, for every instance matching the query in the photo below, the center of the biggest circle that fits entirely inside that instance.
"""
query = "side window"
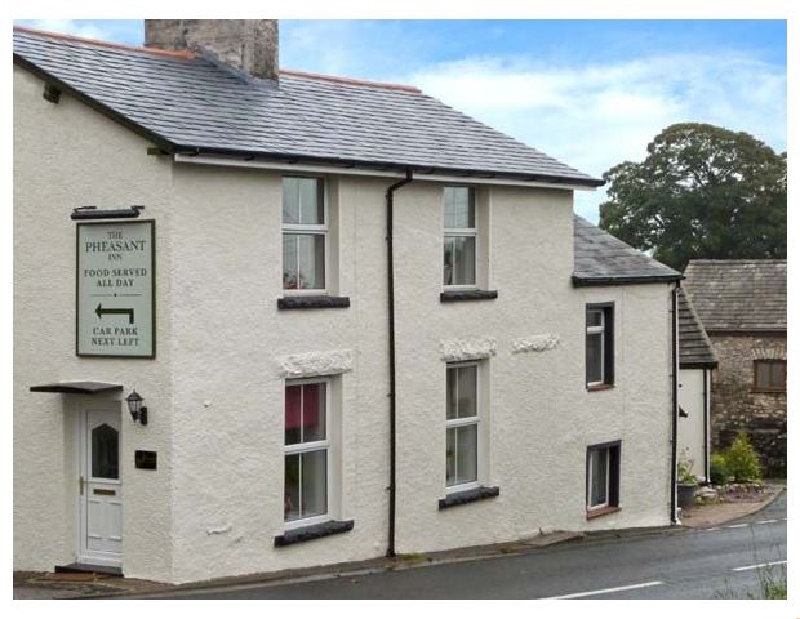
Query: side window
(769, 375)
(460, 237)
(602, 476)
(599, 345)
(305, 234)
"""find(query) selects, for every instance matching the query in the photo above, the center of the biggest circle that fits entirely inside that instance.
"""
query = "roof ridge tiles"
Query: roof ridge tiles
(350, 81)
(109, 44)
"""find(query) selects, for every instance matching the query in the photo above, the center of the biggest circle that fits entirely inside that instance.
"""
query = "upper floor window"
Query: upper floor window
(599, 345)
(769, 375)
(305, 233)
(460, 231)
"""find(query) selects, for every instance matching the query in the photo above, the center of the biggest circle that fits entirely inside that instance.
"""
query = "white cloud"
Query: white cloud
(71, 26)
(596, 116)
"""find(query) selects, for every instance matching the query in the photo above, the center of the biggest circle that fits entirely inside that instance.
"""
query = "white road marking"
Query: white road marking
(599, 591)
(767, 521)
(713, 529)
(736, 526)
(753, 567)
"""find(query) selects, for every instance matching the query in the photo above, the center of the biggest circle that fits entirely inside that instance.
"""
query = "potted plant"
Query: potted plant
(687, 482)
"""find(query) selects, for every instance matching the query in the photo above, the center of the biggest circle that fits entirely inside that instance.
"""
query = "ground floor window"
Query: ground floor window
(307, 450)
(602, 476)
(461, 425)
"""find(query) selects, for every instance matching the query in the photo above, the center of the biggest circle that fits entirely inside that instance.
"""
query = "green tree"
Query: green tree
(701, 192)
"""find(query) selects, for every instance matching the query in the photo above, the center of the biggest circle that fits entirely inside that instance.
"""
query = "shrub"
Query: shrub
(685, 465)
(742, 460)
(719, 470)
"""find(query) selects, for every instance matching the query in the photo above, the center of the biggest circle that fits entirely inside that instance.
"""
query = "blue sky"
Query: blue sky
(590, 93)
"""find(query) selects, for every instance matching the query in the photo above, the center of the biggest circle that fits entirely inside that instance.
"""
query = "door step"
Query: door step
(85, 568)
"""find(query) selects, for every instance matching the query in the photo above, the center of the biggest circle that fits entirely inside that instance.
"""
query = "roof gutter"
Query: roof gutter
(371, 169)
(390, 550)
(584, 281)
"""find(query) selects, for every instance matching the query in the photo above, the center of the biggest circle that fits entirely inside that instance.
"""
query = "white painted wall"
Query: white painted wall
(691, 429)
(66, 155)
(216, 389)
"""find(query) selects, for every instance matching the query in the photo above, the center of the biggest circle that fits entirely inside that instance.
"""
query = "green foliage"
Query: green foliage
(701, 192)
(742, 460)
(685, 465)
(719, 470)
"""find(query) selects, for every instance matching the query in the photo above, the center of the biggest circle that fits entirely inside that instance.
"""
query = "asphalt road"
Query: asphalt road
(693, 564)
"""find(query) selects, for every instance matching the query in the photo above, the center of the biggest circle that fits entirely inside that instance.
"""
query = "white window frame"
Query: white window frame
(467, 421)
(601, 329)
(462, 232)
(589, 476)
(309, 229)
(311, 446)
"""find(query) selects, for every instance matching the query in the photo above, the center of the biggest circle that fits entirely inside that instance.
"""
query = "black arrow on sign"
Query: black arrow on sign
(114, 310)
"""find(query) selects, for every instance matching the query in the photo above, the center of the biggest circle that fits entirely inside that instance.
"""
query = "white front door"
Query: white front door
(100, 501)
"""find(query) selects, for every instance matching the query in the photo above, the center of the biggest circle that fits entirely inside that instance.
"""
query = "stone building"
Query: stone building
(742, 304)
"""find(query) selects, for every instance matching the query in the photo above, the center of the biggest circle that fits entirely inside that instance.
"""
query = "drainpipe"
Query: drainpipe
(674, 407)
(390, 551)
(706, 446)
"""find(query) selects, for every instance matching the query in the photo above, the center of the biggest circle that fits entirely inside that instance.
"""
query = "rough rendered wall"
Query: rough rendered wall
(734, 406)
(540, 417)
(233, 349)
(66, 155)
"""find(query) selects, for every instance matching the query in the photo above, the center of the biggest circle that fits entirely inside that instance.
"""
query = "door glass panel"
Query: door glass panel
(105, 452)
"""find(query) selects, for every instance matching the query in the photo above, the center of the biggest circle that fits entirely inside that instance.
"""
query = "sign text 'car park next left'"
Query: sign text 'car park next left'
(116, 289)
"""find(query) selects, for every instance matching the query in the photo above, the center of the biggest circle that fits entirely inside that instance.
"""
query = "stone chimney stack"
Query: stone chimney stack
(250, 45)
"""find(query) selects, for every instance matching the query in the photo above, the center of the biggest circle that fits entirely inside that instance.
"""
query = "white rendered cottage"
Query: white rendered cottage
(361, 322)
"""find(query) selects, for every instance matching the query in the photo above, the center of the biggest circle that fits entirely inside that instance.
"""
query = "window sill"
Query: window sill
(467, 295)
(314, 531)
(603, 387)
(312, 302)
(469, 496)
(769, 391)
(601, 511)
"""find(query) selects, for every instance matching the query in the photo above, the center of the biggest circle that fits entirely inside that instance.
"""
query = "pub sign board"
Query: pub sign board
(116, 289)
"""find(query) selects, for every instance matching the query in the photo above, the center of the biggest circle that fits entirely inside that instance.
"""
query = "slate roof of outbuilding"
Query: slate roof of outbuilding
(602, 259)
(696, 350)
(185, 102)
(738, 295)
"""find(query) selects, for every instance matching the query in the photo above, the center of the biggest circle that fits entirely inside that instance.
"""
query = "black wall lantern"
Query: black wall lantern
(138, 412)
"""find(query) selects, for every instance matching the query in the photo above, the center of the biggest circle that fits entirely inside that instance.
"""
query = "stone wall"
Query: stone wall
(734, 405)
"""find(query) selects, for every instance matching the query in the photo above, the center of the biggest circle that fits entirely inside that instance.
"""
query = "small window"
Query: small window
(306, 451)
(602, 476)
(305, 234)
(599, 345)
(461, 421)
(769, 375)
(460, 232)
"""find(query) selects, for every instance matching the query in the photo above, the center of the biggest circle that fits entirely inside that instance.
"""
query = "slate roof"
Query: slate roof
(696, 350)
(602, 259)
(738, 295)
(185, 102)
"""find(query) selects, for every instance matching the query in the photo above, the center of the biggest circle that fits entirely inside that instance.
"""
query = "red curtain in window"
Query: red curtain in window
(310, 406)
